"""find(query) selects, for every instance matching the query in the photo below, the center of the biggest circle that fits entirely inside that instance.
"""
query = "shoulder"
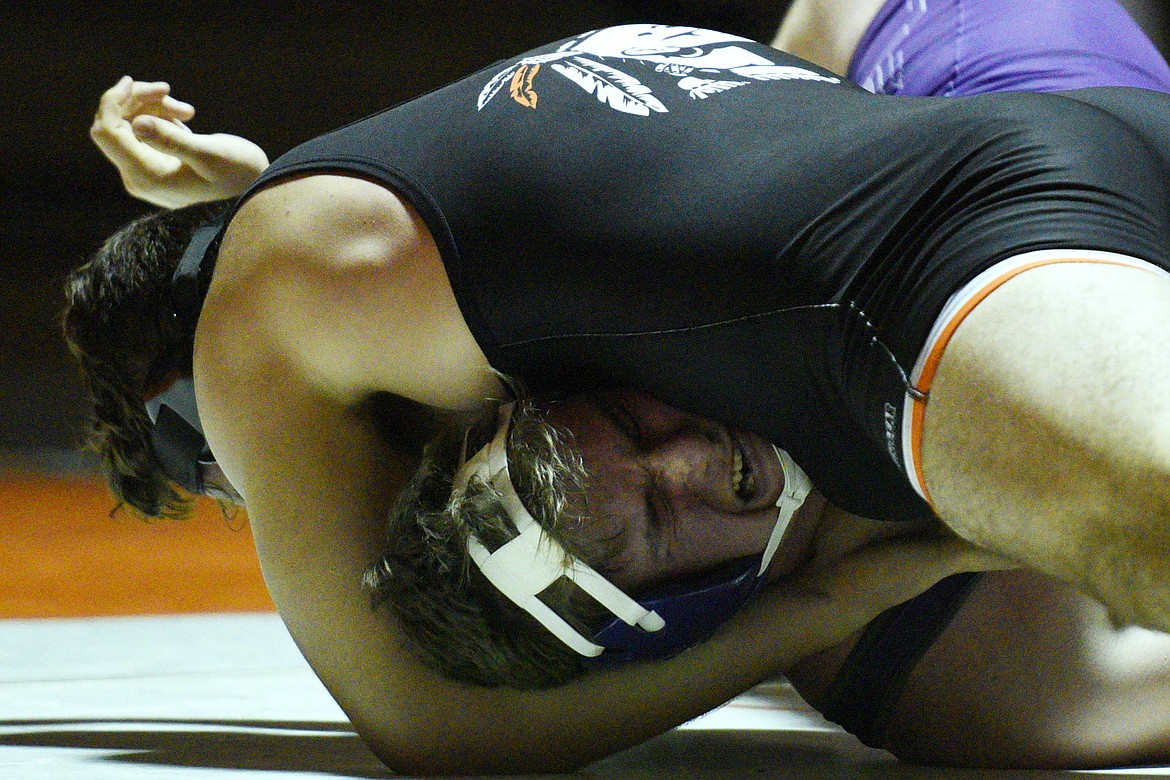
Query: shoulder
(316, 235)
(339, 280)
(288, 354)
(326, 221)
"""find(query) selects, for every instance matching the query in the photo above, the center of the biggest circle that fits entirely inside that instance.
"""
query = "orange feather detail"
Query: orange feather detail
(521, 86)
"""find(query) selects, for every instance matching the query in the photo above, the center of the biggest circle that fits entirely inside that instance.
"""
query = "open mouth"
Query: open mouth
(743, 478)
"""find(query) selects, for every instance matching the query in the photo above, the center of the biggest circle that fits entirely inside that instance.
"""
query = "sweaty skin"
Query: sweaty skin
(320, 469)
(333, 530)
(319, 475)
(686, 493)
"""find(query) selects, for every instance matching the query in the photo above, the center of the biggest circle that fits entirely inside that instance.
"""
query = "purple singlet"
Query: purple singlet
(967, 47)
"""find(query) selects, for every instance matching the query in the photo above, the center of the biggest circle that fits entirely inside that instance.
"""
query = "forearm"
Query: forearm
(319, 477)
(465, 729)
(506, 731)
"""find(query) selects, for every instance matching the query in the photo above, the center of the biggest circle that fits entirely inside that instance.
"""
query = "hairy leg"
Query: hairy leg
(1047, 431)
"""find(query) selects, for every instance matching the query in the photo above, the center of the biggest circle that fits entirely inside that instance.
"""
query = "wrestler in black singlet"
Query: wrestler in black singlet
(739, 233)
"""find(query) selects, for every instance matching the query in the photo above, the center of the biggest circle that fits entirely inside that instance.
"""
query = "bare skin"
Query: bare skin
(1048, 448)
(825, 32)
(337, 473)
(1045, 432)
(1030, 673)
(670, 483)
(318, 476)
(141, 129)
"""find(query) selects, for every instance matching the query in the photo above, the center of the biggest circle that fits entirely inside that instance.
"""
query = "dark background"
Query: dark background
(278, 73)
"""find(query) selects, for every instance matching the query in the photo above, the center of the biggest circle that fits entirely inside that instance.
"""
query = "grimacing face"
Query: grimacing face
(684, 492)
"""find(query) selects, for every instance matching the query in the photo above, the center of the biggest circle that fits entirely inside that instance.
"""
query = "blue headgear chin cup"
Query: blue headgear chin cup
(177, 433)
(661, 623)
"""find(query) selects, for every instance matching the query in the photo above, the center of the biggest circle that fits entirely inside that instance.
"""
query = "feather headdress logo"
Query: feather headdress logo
(705, 63)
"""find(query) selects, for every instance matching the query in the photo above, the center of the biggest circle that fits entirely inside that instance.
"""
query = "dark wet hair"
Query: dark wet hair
(120, 326)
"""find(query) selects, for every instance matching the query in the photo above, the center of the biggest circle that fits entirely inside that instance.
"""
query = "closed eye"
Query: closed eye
(659, 513)
(626, 423)
(659, 519)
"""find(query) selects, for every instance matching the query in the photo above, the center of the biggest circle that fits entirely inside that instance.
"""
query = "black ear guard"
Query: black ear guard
(177, 435)
(189, 281)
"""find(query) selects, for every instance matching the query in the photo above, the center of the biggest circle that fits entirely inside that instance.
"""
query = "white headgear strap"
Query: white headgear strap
(796, 489)
(529, 563)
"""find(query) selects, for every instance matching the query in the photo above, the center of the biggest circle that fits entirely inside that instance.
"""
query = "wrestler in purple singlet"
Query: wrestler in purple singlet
(968, 47)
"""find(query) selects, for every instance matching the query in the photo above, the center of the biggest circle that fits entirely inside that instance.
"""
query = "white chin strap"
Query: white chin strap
(796, 489)
(529, 563)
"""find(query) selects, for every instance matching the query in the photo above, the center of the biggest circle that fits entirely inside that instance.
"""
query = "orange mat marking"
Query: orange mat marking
(62, 555)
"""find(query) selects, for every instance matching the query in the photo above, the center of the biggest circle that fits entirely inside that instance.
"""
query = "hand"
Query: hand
(140, 128)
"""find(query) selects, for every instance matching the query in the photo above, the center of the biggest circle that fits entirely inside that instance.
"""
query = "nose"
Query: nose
(692, 467)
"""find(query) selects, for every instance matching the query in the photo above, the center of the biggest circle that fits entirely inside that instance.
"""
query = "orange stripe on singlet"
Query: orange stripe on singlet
(930, 366)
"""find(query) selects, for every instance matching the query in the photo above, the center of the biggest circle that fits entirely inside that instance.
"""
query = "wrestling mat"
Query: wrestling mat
(150, 652)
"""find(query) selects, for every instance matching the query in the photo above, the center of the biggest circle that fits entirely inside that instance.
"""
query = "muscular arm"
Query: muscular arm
(316, 538)
(289, 350)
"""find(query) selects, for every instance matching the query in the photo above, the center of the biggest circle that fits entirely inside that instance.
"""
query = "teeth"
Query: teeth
(747, 487)
(743, 481)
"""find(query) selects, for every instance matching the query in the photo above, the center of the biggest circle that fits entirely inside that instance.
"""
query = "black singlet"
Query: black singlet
(740, 233)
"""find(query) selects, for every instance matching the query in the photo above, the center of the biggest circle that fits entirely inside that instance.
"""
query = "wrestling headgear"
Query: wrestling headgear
(177, 434)
(663, 622)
